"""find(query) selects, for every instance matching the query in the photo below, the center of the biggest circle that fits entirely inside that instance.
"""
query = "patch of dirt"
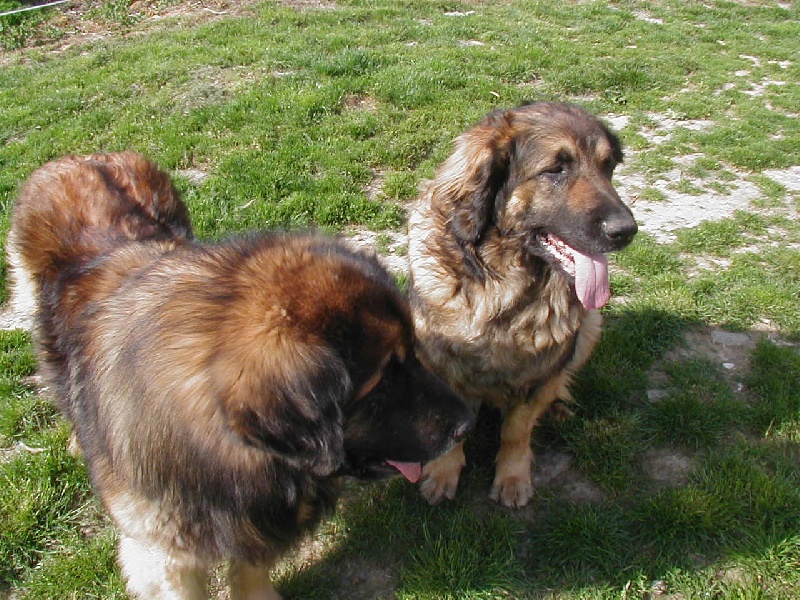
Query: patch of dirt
(388, 246)
(212, 85)
(375, 186)
(194, 175)
(556, 469)
(661, 218)
(731, 351)
(728, 349)
(682, 210)
(667, 467)
(363, 580)
(360, 102)
(308, 4)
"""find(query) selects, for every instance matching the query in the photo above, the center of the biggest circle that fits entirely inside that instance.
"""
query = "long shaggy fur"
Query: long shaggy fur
(112, 198)
(218, 391)
(496, 315)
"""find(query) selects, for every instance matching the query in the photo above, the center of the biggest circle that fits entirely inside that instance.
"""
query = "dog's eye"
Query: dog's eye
(560, 166)
(556, 171)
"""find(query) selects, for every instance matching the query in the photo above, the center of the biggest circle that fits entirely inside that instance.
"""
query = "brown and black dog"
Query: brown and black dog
(219, 392)
(507, 260)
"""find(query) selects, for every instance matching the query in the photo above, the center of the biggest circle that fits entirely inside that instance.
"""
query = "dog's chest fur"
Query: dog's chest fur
(495, 340)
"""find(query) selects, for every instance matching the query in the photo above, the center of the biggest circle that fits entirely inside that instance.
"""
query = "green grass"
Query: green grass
(299, 116)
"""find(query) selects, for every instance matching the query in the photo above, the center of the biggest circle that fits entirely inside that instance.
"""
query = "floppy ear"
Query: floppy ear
(466, 187)
(289, 403)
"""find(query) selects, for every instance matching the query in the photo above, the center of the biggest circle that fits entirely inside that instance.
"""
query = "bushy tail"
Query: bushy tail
(74, 209)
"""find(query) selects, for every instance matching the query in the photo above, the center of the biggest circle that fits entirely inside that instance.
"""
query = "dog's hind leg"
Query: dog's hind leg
(251, 582)
(24, 289)
(153, 574)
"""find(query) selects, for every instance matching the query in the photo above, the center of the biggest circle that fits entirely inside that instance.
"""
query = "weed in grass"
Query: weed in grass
(400, 186)
(756, 286)
(26, 418)
(688, 420)
(720, 188)
(777, 568)
(675, 524)
(653, 163)
(703, 167)
(685, 186)
(622, 285)
(23, 415)
(18, 30)
(756, 492)
(652, 194)
(649, 260)
(773, 193)
(16, 356)
(115, 11)
(383, 244)
(632, 340)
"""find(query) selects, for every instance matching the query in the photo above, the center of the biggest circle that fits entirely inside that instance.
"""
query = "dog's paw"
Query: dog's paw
(435, 489)
(439, 480)
(512, 492)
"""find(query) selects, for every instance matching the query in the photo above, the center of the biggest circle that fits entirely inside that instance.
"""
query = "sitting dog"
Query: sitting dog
(507, 264)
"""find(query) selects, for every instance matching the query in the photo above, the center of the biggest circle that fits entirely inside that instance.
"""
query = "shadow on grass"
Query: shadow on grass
(740, 498)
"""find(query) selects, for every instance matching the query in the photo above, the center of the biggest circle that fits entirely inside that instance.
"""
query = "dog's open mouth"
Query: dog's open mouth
(589, 272)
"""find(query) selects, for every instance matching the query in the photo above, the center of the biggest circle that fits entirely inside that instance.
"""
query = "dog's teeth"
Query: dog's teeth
(559, 250)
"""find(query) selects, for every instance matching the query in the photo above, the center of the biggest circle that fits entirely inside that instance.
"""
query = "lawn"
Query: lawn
(678, 478)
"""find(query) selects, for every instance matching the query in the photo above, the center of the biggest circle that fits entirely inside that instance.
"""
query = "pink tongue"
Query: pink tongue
(411, 471)
(591, 280)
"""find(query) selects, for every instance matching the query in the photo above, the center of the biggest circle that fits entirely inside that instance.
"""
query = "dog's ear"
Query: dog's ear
(289, 402)
(466, 187)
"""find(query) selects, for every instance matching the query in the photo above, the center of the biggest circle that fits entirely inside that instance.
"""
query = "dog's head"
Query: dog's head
(538, 176)
(338, 389)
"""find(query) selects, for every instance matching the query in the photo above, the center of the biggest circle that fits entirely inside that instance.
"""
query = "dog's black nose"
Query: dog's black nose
(620, 230)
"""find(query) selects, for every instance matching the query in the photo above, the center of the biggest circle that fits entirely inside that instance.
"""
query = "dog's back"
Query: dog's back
(76, 208)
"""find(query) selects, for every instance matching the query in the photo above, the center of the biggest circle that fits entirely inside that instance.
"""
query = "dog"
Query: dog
(219, 392)
(508, 272)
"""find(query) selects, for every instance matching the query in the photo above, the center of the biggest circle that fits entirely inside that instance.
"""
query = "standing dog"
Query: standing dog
(218, 392)
(506, 253)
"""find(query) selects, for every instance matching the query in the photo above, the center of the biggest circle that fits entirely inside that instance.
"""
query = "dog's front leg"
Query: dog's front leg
(439, 478)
